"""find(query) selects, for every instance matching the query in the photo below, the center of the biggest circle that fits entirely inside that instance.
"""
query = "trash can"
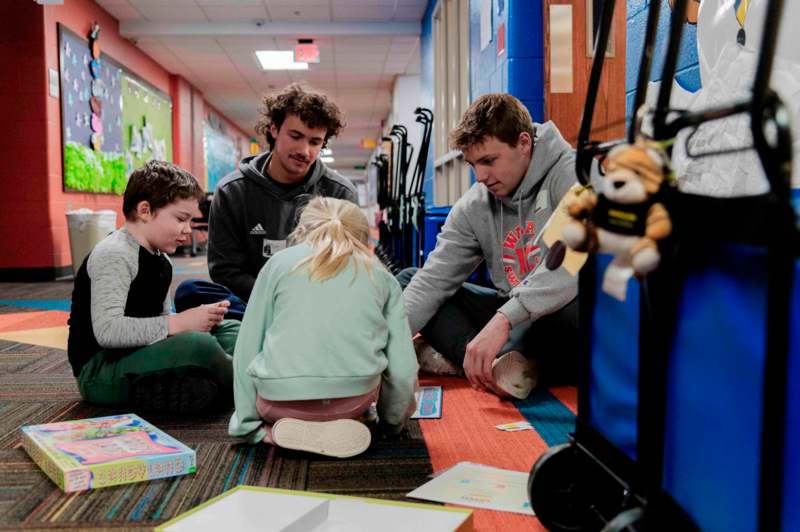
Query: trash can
(86, 229)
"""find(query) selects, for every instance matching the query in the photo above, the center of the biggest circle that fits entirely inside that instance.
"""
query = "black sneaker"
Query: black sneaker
(185, 393)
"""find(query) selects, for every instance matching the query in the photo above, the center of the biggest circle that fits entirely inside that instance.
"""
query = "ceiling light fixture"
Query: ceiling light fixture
(278, 60)
(327, 160)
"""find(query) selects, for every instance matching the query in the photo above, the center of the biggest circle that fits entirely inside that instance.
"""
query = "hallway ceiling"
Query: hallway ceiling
(364, 45)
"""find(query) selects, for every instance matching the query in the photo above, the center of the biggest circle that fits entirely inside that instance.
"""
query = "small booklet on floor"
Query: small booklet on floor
(429, 403)
(246, 508)
(480, 486)
(105, 451)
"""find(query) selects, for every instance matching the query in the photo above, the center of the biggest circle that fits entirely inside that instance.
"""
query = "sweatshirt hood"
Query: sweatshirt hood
(548, 148)
(253, 168)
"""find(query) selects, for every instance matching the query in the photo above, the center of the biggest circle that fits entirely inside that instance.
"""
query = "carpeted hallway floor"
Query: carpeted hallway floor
(36, 386)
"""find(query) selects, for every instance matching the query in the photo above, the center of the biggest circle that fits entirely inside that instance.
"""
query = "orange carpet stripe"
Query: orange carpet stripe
(567, 395)
(20, 321)
(466, 433)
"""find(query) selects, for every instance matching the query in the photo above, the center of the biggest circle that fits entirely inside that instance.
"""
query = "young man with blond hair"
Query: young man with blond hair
(504, 337)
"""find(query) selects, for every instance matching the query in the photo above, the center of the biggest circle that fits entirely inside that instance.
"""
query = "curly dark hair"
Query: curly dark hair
(313, 108)
(496, 115)
(159, 183)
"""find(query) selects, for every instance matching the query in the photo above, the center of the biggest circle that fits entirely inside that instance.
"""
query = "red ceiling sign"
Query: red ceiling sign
(306, 53)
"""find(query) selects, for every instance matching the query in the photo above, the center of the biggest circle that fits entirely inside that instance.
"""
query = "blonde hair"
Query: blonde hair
(336, 230)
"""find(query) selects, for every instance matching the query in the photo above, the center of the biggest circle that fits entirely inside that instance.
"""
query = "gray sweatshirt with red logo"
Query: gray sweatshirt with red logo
(505, 233)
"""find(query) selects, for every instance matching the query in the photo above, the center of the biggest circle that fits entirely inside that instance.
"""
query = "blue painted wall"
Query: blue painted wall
(687, 73)
(488, 70)
(518, 70)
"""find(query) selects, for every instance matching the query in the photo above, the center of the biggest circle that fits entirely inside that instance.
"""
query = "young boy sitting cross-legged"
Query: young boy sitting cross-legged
(124, 346)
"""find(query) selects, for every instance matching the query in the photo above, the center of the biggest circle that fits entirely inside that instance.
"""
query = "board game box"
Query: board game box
(105, 451)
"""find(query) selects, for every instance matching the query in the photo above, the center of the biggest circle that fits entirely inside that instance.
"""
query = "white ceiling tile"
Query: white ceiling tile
(395, 68)
(361, 40)
(344, 60)
(239, 14)
(249, 43)
(170, 12)
(383, 4)
(300, 3)
(357, 71)
(123, 12)
(405, 17)
(162, 3)
(405, 39)
(314, 13)
(361, 13)
(195, 47)
(230, 4)
(410, 11)
(400, 49)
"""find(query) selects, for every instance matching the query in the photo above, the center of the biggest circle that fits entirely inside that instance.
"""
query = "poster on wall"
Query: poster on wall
(146, 123)
(107, 127)
(90, 108)
(221, 153)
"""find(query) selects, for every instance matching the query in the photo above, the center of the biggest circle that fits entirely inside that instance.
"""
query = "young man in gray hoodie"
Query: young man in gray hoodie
(502, 338)
(258, 205)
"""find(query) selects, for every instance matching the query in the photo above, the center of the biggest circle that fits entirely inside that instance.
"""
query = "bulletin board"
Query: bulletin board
(146, 123)
(98, 112)
(222, 155)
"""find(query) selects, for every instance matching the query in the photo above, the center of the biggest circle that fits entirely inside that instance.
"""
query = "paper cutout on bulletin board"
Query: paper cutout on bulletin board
(146, 123)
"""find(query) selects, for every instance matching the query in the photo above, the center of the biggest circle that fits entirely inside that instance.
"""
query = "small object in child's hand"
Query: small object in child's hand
(556, 255)
(515, 426)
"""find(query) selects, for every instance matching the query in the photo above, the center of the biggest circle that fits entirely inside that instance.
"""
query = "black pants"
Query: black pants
(551, 340)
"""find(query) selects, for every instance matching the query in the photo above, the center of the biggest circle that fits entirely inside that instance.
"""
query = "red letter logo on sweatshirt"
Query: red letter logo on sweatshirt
(520, 257)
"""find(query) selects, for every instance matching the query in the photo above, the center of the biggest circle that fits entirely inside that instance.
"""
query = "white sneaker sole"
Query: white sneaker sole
(341, 438)
(432, 362)
(515, 374)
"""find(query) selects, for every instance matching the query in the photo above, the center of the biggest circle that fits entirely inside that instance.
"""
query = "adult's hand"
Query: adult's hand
(482, 351)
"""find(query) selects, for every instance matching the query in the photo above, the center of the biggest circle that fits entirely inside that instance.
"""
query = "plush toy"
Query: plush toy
(624, 217)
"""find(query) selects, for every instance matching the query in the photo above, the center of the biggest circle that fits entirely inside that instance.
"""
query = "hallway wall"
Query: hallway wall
(516, 68)
(25, 235)
(33, 226)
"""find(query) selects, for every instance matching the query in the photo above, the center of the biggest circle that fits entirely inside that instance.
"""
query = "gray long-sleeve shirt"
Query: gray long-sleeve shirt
(120, 300)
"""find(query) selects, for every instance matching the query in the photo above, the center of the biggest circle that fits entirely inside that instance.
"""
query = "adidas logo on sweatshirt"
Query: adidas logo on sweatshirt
(257, 230)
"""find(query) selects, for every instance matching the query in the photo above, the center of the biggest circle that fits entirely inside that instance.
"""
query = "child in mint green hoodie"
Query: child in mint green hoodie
(324, 336)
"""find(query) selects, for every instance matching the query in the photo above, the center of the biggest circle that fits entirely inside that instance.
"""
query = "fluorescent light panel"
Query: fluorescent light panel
(278, 60)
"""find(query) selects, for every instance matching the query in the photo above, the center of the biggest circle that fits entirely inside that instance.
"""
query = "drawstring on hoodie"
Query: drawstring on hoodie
(523, 237)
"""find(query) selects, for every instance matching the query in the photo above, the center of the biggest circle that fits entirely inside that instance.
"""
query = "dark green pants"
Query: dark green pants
(107, 377)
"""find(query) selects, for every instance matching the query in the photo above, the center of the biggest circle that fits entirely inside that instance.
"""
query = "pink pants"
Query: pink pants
(314, 409)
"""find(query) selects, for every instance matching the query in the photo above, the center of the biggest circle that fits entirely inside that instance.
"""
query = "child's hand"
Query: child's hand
(202, 318)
